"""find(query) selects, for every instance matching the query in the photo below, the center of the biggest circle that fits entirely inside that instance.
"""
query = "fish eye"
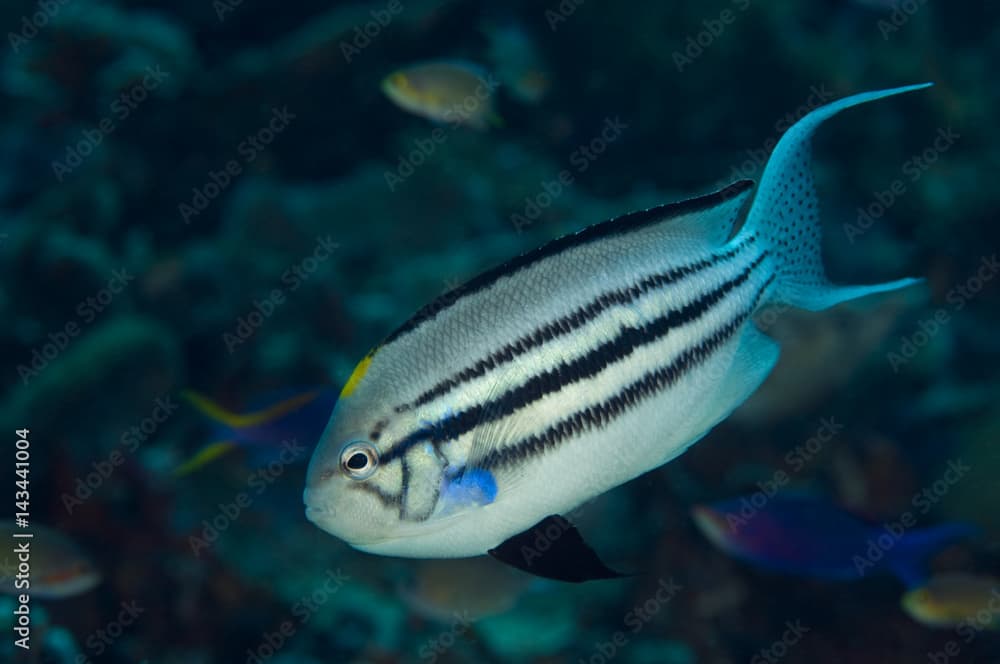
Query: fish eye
(359, 460)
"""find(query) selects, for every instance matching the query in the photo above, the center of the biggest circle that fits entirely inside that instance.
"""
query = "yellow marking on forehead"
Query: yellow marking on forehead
(358, 373)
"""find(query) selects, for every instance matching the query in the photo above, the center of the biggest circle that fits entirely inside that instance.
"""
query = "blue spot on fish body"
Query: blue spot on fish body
(468, 487)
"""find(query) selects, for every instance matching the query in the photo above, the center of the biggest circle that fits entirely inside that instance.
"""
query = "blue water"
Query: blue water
(219, 196)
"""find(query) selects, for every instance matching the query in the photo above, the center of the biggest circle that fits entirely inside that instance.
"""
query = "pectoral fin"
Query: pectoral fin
(554, 549)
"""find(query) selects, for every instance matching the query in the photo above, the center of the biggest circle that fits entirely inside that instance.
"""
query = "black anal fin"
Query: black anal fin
(554, 549)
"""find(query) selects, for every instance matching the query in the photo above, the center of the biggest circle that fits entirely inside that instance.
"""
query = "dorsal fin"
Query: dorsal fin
(716, 221)
(710, 218)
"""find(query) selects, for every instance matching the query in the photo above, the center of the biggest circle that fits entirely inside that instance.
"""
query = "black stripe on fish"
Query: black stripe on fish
(600, 415)
(404, 487)
(407, 515)
(405, 511)
(570, 322)
(618, 226)
(585, 366)
(376, 431)
(387, 499)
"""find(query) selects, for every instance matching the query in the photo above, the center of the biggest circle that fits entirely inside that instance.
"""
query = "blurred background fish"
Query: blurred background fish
(950, 599)
(58, 566)
(810, 536)
(820, 352)
(445, 91)
(471, 587)
(515, 58)
(273, 419)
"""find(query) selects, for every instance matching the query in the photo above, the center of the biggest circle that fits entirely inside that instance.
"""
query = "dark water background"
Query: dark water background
(132, 263)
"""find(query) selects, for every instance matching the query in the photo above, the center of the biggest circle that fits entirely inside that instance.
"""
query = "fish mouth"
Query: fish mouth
(323, 518)
(315, 512)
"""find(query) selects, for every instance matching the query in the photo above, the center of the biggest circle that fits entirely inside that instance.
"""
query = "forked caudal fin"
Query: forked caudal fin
(908, 559)
(785, 213)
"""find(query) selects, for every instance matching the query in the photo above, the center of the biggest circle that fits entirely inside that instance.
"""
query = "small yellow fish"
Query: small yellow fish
(450, 91)
(56, 566)
(953, 598)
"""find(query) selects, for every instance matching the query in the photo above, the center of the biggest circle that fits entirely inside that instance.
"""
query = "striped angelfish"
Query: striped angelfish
(569, 370)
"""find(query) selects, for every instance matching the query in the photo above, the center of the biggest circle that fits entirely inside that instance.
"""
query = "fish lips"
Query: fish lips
(324, 516)
(315, 511)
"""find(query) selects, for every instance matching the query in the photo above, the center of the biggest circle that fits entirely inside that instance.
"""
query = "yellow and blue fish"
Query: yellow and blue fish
(277, 417)
(570, 370)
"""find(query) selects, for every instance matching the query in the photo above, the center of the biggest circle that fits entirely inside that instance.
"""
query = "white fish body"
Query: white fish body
(571, 369)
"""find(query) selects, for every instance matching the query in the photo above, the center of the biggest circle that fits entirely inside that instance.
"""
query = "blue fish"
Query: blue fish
(275, 417)
(812, 537)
